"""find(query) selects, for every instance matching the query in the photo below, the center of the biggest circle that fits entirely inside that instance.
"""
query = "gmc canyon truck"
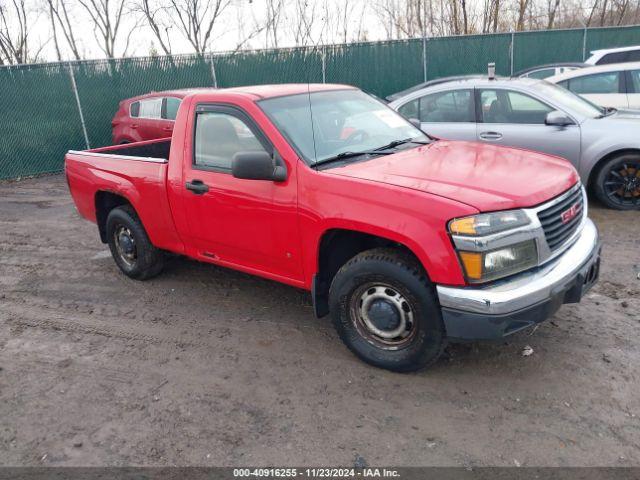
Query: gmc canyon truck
(406, 241)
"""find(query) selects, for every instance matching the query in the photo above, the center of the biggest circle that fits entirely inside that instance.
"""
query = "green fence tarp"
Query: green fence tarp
(40, 120)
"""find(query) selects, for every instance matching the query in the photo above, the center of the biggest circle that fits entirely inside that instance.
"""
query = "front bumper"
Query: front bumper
(502, 308)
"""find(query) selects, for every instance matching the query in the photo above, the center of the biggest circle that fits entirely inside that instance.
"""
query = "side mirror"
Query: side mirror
(257, 166)
(416, 123)
(558, 119)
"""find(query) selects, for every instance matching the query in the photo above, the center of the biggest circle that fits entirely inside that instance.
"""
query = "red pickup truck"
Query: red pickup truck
(407, 241)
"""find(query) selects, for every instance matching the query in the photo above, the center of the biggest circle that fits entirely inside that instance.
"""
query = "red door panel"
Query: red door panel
(249, 223)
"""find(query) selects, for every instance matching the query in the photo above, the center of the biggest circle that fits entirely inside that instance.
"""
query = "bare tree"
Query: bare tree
(302, 21)
(196, 18)
(107, 16)
(60, 16)
(15, 24)
(247, 30)
(552, 8)
(272, 22)
(522, 11)
(153, 14)
(54, 32)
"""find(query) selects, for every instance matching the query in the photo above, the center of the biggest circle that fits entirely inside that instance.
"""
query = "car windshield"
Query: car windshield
(338, 124)
(568, 99)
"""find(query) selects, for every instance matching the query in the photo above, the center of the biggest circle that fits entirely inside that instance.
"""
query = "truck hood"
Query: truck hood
(486, 177)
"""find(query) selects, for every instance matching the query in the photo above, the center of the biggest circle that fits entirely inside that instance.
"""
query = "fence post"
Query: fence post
(323, 57)
(424, 57)
(511, 49)
(584, 44)
(213, 70)
(75, 92)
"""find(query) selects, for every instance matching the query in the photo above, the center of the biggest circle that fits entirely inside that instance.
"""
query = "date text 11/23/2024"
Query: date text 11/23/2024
(315, 473)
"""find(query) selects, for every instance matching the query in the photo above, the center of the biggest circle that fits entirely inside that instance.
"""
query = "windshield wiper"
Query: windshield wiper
(377, 151)
(344, 155)
(397, 143)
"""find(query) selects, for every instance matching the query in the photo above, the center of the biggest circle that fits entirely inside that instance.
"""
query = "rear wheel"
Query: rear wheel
(130, 246)
(385, 310)
(617, 184)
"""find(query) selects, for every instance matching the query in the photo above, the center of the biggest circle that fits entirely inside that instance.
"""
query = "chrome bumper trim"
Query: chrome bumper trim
(528, 288)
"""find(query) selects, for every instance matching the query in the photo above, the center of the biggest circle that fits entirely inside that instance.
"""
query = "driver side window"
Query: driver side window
(219, 136)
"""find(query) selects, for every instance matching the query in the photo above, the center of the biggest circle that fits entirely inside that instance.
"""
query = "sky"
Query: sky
(238, 19)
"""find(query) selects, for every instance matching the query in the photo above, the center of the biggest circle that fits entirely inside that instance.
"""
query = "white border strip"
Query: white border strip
(123, 157)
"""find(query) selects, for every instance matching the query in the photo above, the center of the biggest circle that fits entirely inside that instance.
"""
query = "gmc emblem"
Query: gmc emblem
(569, 214)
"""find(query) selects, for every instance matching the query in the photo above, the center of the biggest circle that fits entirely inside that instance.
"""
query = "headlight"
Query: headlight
(485, 266)
(488, 223)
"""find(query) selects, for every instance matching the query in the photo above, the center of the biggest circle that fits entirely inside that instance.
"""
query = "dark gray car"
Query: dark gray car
(603, 144)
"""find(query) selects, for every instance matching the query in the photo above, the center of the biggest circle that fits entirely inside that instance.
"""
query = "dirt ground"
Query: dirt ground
(206, 366)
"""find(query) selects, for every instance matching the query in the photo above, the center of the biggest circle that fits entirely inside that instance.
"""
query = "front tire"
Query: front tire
(617, 183)
(385, 310)
(130, 246)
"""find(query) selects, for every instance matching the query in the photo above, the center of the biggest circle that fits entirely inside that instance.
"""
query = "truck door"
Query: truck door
(242, 223)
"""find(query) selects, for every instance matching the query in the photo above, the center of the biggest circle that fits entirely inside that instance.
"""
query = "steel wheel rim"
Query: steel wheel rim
(383, 316)
(622, 183)
(125, 244)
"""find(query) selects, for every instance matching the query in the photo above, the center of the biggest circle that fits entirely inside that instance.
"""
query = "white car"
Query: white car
(616, 85)
(614, 55)
(544, 71)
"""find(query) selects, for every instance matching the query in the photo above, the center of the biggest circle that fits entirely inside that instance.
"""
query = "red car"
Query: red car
(405, 240)
(147, 116)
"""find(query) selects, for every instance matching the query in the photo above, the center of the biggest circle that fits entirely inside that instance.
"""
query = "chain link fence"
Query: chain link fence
(47, 109)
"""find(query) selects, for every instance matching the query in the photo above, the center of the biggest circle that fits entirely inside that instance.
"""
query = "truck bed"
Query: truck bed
(136, 172)
(156, 149)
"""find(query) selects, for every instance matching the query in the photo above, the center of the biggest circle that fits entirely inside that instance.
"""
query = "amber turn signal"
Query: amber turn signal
(472, 263)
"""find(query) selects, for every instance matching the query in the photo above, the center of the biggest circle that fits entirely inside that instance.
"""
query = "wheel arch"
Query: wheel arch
(593, 174)
(105, 201)
(337, 246)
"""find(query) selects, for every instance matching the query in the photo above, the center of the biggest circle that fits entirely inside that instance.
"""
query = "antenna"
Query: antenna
(491, 71)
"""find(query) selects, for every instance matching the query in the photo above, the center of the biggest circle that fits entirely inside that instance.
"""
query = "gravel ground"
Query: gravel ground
(206, 366)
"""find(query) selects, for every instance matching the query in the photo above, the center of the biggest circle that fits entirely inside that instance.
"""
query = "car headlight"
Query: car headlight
(488, 223)
(485, 266)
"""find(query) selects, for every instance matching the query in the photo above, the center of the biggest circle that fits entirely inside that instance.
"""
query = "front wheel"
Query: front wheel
(130, 246)
(617, 184)
(385, 310)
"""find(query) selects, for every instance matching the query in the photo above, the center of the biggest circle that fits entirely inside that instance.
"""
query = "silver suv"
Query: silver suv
(603, 144)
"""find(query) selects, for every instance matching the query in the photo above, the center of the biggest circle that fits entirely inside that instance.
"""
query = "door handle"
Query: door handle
(167, 129)
(135, 125)
(490, 135)
(197, 187)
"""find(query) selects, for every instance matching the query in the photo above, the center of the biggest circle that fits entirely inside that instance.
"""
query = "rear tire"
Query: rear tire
(385, 310)
(130, 246)
(617, 184)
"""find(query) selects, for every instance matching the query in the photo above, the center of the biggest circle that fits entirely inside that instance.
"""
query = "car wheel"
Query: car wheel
(617, 184)
(130, 246)
(385, 310)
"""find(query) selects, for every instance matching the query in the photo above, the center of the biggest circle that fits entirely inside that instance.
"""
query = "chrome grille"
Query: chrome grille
(557, 228)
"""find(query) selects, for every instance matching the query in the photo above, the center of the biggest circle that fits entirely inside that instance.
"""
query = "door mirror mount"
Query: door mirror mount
(257, 166)
(558, 119)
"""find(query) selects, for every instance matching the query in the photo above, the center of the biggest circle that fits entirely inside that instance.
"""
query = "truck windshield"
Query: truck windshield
(339, 124)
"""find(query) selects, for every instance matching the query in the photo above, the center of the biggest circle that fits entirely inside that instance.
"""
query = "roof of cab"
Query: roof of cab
(258, 92)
